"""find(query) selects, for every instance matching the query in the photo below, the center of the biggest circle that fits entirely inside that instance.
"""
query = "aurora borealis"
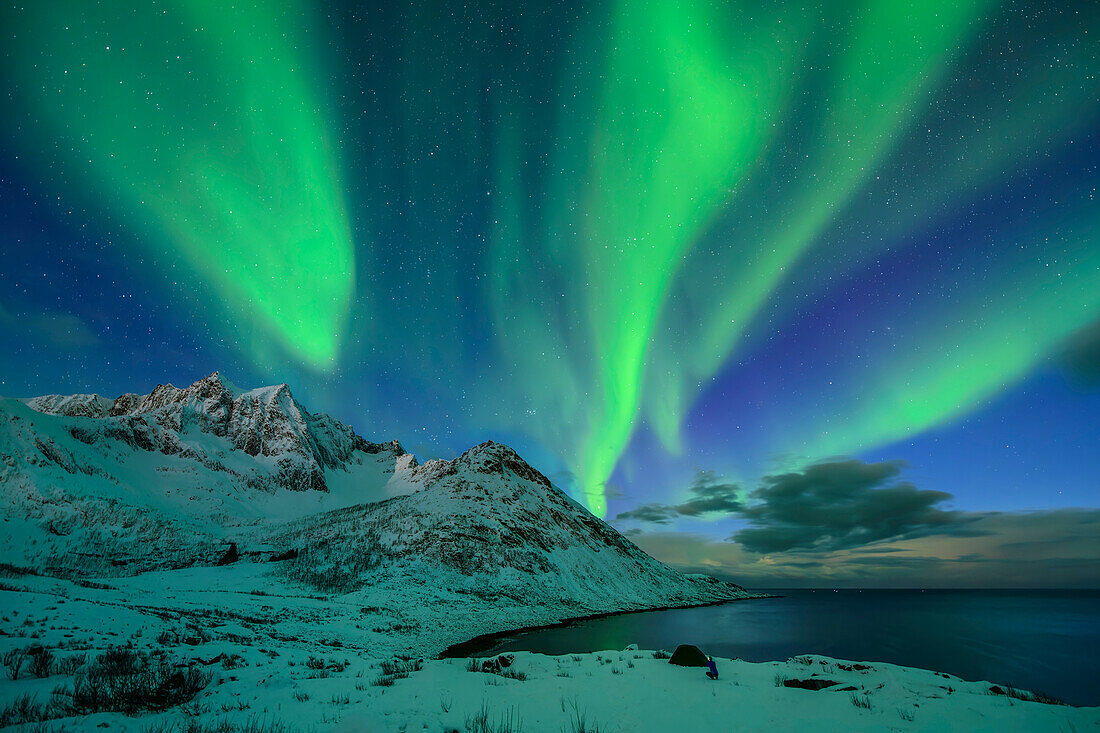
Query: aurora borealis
(632, 239)
(196, 126)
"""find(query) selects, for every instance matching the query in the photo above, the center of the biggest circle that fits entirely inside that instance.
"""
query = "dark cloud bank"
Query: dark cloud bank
(708, 495)
(850, 523)
(833, 506)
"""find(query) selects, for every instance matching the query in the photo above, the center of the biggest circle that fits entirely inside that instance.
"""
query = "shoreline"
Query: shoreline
(481, 642)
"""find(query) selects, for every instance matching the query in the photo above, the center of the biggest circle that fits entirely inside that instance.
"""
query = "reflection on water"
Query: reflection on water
(1037, 640)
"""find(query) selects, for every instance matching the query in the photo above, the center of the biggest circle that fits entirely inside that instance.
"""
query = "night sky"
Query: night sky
(807, 294)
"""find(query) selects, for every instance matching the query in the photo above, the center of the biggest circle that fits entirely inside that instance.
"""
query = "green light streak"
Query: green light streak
(198, 124)
(680, 248)
(677, 151)
(676, 133)
(963, 351)
(682, 113)
(677, 128)
(1033, 102)
(898, 54)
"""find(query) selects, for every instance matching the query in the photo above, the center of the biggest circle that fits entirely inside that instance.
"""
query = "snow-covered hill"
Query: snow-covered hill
(196, 476)
(493, 527)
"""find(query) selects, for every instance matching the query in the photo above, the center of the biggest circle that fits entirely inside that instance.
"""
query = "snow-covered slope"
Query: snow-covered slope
(304, 663)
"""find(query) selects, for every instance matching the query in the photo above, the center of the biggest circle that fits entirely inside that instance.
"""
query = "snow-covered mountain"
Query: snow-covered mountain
(172, 478)
(494, 526)
(177, 477)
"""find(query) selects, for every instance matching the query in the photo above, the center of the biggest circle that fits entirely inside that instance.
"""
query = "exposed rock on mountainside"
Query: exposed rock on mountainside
(266, 422)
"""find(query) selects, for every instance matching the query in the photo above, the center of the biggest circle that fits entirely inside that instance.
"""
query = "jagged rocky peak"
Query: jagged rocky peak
(77, 405)
(489, 470)
(125, 404)
(209, 391)
(497, 458)
(213, 387)
(265, 422)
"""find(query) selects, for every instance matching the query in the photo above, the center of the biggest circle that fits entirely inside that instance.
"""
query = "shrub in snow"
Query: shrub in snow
(232, 661)
(483, 722)
(13, 661)
(41, 661)
(814, 683)
(396, 669)
(254, 724)
(68, 665)
(127, 681)
(1009, 691)
(23, 709)
(578, 721)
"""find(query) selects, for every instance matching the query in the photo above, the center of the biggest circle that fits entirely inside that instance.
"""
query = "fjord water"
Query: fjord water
(1045, 640)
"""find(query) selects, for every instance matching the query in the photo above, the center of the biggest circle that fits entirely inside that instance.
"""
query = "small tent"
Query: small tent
(687, 655)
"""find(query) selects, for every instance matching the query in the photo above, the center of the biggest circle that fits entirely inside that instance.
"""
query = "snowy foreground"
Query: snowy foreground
(305, 663)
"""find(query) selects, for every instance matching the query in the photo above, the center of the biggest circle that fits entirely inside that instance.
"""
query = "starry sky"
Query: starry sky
(799, 293)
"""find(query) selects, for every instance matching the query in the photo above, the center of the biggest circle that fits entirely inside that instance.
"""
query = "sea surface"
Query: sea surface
(1045, 640)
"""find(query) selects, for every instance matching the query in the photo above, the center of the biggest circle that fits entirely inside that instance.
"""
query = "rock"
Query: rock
(231, 555)
(814, 683)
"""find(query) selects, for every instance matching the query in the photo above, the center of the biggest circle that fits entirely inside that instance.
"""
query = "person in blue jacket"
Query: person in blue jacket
(712, 668)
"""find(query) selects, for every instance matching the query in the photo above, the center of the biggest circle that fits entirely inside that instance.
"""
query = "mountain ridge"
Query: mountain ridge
(266, 421)
(209, 473)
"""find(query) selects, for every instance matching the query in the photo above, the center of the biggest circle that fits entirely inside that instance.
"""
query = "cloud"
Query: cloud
(656, 513)
(1081, 355)
(1051, 549)
(840, 505)
(848, 523)
(612, 491)
(709, 495)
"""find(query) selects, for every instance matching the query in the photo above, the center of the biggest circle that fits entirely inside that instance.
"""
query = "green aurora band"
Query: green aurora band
(198, 125)
(898, 53)
(966, 346)
(677, 127)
